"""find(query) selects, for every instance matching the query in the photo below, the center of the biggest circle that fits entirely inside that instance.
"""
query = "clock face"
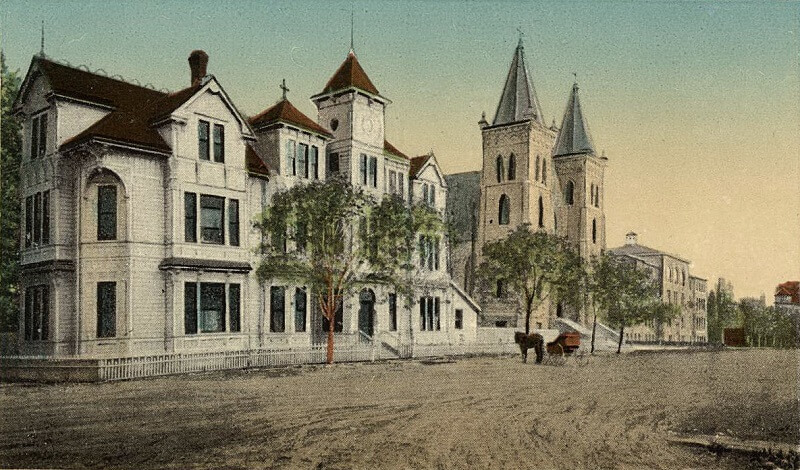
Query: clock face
(367, 124)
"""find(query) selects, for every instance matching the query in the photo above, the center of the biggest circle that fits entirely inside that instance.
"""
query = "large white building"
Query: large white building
(138, 207)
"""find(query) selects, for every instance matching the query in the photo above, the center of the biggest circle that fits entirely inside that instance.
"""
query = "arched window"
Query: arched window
(592, 193)
(544, 171)
(106, 192)
(569, 193)
(597, 196)
(541, 212)
(537, 167)
(594, 230)
(512, 167)
(504, 210)
(683, 278)
(500, 170)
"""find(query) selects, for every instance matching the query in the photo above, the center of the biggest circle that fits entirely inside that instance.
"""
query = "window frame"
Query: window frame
(190, 217)
(112, 222)
(392, 300)
(512, 167)
(459, 319)
(300, 314)
(233, 222)
(274, 325)
(218, 143)
(203, 140)
(504, 210)
(220, 240)
(106, 319)
(302, 159)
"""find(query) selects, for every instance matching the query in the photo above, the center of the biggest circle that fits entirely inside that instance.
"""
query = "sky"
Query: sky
(696, 104)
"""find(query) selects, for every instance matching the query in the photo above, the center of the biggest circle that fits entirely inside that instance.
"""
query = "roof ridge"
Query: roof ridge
(96, 73)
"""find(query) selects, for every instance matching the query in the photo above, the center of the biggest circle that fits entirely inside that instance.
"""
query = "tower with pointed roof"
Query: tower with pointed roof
(580, 174)
(516, 186)
(351, 107)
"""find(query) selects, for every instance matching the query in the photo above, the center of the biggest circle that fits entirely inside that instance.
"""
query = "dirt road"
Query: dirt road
(616, 412)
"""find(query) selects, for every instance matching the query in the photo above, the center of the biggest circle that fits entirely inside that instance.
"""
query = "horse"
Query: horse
(533, 340)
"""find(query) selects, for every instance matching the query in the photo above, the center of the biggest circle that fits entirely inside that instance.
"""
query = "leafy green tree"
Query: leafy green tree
(535, 266)
(10, 158)
(661, 313)
(342, 239)
(722, 311)
(623, 291)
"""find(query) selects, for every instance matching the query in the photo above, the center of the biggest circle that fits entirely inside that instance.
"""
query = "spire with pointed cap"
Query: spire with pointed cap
(573, 138)
(518, 101)
(350, 75)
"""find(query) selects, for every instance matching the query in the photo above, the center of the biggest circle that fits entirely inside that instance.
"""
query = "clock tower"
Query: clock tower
(353, 110)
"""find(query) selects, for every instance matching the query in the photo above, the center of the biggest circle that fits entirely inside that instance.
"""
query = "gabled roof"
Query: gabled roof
(518, 101)
(573, 138)
(790, 288)
(391, 149)
(284, 111)
(637, 250)
(255, 164)
(350, 75)
(417, 163)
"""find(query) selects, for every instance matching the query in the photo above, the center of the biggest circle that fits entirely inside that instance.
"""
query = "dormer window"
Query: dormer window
(204, 144)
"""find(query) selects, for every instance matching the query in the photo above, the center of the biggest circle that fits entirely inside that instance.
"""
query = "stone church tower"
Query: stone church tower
(546, 177)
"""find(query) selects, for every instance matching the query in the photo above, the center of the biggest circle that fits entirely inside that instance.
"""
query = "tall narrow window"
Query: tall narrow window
(432, 196)
(569, 193)
(300, 237)
(28, 221)
(203, 130)
(212, 215)
(500, 169)
(37, 218)
(219, 143)
(499, 291)
(190, 217)
(234, 307)
(425, 192)
(430, 313)
(392, 312)
(233, 222)
(302, 160)
(190, 308)
(300, 300)
(373, 172)
(544, 171)
(392, 183)
(541, 212)
(512, 167)
(436, 254)
(106, 212)
(212, 307)
(313, 162)
(459, 319)
(277, 314)
(400, 190)
(34, 138)
(46, 217)
(597, 196)
(291, 158)
(592, 194)
(37, 313)
(42, 135)
(106, 309)
(363, 168)
(333, 163)
(423, 308)
(594, 230)
(537, 167)
(504, 211)
(437, 319)
(423, 256)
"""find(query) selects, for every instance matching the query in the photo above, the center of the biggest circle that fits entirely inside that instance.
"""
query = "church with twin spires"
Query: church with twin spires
(547, 177)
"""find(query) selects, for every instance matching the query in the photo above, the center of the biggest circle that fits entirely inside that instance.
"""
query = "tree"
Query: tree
(623, 291)
(342, 238)
(661, 313)
(535, 266)
(722, 310)
(10, 159)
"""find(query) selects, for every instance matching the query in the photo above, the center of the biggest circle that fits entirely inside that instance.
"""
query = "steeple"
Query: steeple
(518, 101)
(350, 75)
(573, 138)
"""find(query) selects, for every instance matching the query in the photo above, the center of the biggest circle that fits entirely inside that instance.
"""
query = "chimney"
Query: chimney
(198, 62)
(630, 238)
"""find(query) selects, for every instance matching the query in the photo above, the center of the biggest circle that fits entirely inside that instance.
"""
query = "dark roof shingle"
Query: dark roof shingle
(350, 74)
(389, 148)
(284, 111)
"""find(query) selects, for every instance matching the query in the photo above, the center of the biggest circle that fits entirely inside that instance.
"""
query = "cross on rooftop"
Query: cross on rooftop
(283, 87)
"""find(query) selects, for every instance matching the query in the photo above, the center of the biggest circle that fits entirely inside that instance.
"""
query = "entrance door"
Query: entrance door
(366, 312)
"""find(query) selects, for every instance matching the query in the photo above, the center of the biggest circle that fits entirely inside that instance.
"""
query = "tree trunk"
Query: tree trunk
(528, 312)
(621, 335)
(594, 328)
(331, 314)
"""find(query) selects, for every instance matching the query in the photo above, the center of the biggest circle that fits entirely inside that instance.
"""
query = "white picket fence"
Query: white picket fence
(123, 368)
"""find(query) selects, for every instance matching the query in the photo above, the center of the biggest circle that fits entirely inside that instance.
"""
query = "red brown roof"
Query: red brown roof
(285, 111)
(389, 148)
(255, 164)
(348, 75)
(790, 288)
(418, 162)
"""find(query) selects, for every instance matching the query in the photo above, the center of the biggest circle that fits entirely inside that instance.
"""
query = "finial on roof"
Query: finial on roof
(521, 34)
(352, 29)
(284, 89)
(575, 83)
(41, 51)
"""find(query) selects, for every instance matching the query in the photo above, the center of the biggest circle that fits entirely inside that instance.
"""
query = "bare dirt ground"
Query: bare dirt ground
(615, 412)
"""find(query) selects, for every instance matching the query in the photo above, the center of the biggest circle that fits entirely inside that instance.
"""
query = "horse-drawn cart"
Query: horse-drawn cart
(563, 346)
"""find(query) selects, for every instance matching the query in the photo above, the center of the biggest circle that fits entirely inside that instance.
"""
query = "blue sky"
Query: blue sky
(697, 104)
